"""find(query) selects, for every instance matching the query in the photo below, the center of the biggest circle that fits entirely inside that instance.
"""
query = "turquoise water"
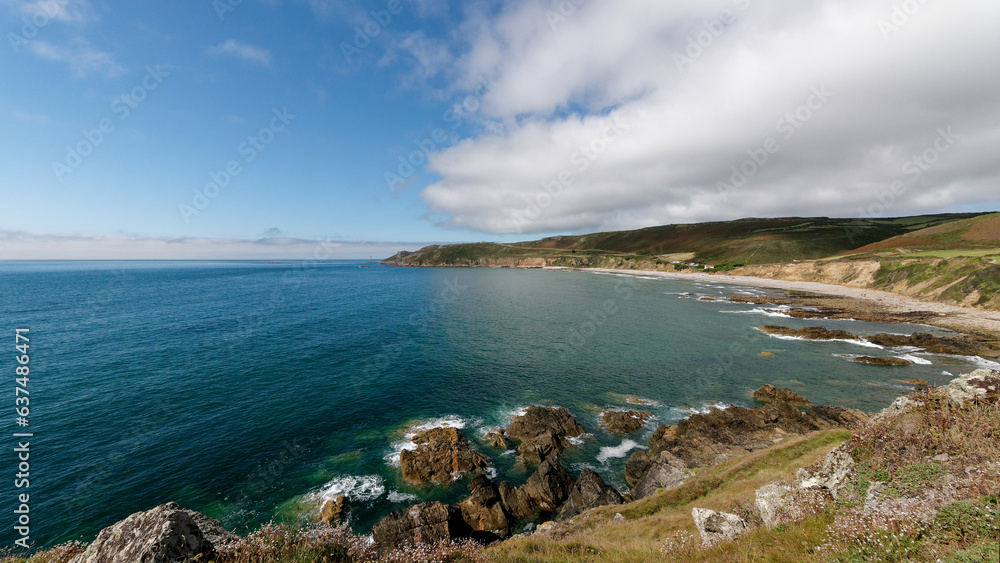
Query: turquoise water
(249, 390)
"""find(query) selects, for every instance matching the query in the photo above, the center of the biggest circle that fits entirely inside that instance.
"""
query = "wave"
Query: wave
(400, 497)
(578, 440)
(864, 343)
(355, 487)
(916, 359)
(774, 313)
(619, 451)
(447, 421)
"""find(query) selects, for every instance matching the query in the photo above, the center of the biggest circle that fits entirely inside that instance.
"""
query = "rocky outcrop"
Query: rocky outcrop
(549, 486)
(165, 534)
(770, 394)
(981, 384)
(809, 333)
(441, 456)
(543, 432)
(882, 360)
(707, 438)
(427, 522)
(717, 526)
(834, 475)
(332, 510)
(954, 345)
(497, 438)
(624, 422)
(589, 491)
(484, 509)
(772, 501)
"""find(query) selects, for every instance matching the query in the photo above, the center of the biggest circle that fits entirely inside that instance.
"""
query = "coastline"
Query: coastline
(866, 303)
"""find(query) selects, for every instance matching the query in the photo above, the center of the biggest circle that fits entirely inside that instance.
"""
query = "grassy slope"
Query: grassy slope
(977, 236)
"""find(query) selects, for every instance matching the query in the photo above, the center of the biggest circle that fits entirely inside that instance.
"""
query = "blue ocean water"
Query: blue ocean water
(252, 390)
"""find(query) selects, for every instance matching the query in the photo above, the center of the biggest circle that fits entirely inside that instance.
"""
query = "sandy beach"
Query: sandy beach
(863, 301)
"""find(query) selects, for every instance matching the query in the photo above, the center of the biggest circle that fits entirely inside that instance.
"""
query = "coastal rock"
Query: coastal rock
(332, 510)
(770, 394)
(882, 360)
(589, 491)
(809, 333)
(515, 501)
(666, 472)
(549, 486)
(498, 439)
(441, 455)
(423, 523)
(918, 384)
(624, 422)
(772, 501)
(543, 432)
(164, 534)
(953, 345)
(484, 510)
(834, 475)
(717, 526)
(898, 406)
(825, 417)
(980, 384)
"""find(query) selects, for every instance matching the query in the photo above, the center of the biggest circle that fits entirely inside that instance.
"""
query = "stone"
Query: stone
(918, 384)
(540, 448)
(164, 534)
(873, 493)
(809, 333)
(441, 456)
(666, 472)
(952, 345)
(332, 510)
(484, 510)
(717, 526)
(624, 422)
(424, 523)
(770, 394)
(834, 476)
(767, 354)
(772, 501)
(537, 421)
(589, 491)
(515, 501)
(549, 486)
(882, 360)
(497, 438)
(982, 383)
(618, 518)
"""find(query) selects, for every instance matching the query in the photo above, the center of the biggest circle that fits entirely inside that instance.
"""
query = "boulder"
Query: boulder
(918, 384)
(164, 534)
(624, 422)
(484, 509)
(543, 431)
(809, 333)
(590, 491)
(498, 439)
(332, 510)
(441, 456)
(834, 476)
(980, 384)
(515, 501)
(770, 394)
(549, 486)
(428, 522)
(717, 526)
(882, 360)
(772, 502)
(666, 472)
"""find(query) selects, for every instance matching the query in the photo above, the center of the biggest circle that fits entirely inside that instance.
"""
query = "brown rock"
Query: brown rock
(549, 486)
(540, 448)
(770, 394)
(484, 510)
(424, 523)
(624, 422)
(589, 491)
(882, 360)
(543, 432)
(498, 439)
(809, 333)
(164, 534)
(766, 354)
(332, 510)
(441, 455)
(665, 472)
(918, 384)
(515, 501)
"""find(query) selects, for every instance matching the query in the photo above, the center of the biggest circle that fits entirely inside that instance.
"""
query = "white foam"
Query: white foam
(619, 451)
(684, 412)
(354, 487)
(633, 400)
(491, 472)
(864, 343)
(948, 373)
(399, 497)
(448, 421)
(984, 363)
(915, 359)
(578, 440)
(774, 313)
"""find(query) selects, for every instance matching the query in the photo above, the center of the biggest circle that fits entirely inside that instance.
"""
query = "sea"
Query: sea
(252, 391)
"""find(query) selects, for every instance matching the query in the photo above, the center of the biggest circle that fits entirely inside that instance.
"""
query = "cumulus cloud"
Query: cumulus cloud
(243, 51)
(17, 245)
(65, 11)
(629, 114)
(82, 58)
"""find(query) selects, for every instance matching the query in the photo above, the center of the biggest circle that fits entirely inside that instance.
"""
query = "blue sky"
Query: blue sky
(522, 118)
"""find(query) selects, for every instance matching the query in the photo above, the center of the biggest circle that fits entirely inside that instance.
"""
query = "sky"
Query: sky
(343, 129)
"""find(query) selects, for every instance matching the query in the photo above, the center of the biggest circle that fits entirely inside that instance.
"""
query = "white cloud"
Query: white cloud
(65, 11)
(16, 245)
(243, 51)
(82, 58)
(690, 112)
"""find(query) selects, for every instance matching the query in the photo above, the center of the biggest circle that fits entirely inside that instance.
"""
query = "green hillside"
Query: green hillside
(977, 236)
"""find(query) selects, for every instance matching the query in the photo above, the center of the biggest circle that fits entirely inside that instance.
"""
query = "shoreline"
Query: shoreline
(865, 303)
